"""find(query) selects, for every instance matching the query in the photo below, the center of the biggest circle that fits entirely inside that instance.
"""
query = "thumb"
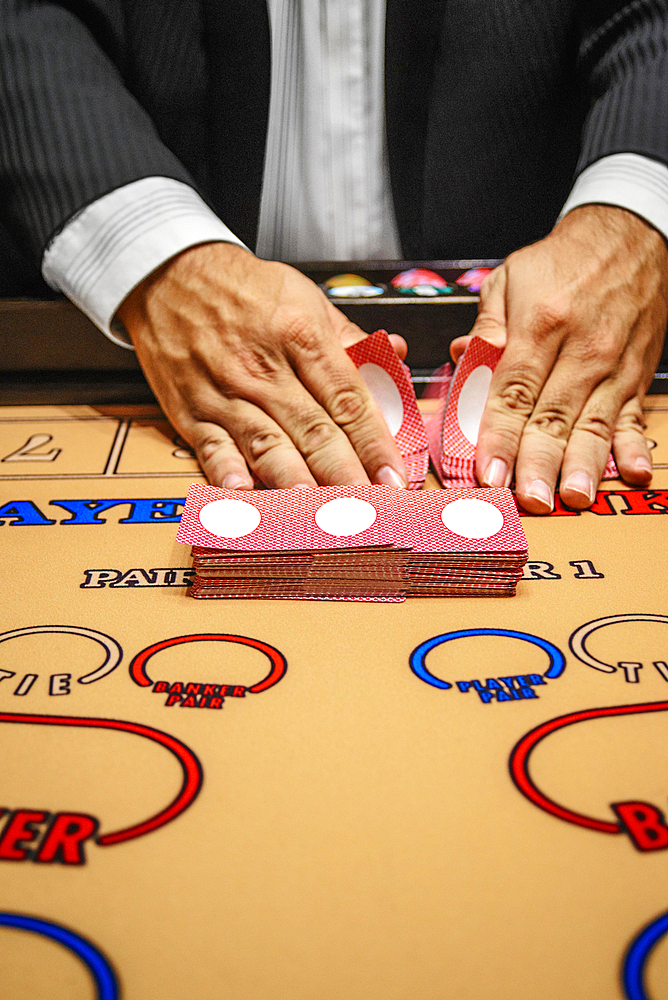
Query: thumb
(490, 323)
(350, 334)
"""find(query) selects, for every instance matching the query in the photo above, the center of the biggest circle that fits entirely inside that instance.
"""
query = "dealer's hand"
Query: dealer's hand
(247, 360)
(582, 315)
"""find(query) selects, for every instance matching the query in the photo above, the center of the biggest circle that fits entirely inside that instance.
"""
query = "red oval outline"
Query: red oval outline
(279, 664)
(192, 769)
(519, 761)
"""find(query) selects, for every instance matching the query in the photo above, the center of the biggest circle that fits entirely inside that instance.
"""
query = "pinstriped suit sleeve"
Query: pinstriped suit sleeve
(624, 64)
(69, 129)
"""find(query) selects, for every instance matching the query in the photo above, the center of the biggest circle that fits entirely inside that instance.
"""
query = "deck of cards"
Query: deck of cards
(389, 382)
(353, 543)
(453, 431)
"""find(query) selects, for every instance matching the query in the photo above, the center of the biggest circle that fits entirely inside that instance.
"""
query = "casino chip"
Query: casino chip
(351, 286)
(421, 282)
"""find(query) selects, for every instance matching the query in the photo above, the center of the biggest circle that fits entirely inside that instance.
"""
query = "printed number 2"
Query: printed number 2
(28, 451)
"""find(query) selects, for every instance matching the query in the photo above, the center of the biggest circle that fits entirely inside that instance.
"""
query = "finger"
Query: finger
(532, 396)
(343, 396)
(571, 425)
(490, 323)
(458, 346)
(286, 437)
(218, 456)
(588, 448)
(400, 346)
(347, 332)
(350, 334)
(332, 380)
(630, 446)
(602, 424)
(264, 445)
(329, 432)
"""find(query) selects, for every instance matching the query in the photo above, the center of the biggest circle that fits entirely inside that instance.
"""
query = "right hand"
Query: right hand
(247, 360)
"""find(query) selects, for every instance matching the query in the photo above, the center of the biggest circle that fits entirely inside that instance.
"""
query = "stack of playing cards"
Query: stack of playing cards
(389, 382)
(453, 431)
(354, 543)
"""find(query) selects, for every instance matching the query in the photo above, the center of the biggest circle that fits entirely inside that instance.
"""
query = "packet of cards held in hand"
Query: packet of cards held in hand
(453, 430)
(389, 382)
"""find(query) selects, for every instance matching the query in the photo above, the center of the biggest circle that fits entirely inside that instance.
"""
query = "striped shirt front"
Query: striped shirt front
(326, 191)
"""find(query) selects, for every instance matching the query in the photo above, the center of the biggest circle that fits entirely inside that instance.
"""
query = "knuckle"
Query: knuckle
(592, 356)
(518, 394)
(606, 352)
(487, 327)
(209, 445)
(316, 435)
(553, 421)
(596, 425)
(207, 402)
(631, 421)
(348, 405)
(551, 315)
(260, 442)
(261, 364)
(303, 335)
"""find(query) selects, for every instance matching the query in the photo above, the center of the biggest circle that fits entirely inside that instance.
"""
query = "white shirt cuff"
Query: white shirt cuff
(105, 250)
(626, 180)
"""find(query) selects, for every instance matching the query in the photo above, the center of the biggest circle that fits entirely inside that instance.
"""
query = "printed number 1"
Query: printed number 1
(28, 451)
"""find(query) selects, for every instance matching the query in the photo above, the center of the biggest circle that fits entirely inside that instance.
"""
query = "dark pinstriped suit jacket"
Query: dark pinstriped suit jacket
(492, 107)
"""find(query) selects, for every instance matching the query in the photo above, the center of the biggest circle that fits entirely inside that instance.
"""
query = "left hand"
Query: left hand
(581, 315)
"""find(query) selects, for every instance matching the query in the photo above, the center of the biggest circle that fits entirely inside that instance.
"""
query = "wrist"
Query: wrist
(186, 268)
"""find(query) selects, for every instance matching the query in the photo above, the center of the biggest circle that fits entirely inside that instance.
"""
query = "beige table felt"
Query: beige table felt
(357, 834)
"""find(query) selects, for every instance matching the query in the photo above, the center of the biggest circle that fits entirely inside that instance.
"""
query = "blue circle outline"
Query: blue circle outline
(97, 964)
(417, 657)
(637, 955)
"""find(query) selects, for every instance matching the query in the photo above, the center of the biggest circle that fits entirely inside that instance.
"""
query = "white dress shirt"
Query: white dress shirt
(326, 190)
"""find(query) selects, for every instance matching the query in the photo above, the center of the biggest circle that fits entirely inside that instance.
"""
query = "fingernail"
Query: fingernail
(301, 486)
(580, 482)
(387, 476)
(234, 482)
(495, 473)
(643, 465)
(538, 490)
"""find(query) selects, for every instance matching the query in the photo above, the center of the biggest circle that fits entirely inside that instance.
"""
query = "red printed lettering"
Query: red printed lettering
(21, 829)
(645, 502)
(644, 823)
(65, 838)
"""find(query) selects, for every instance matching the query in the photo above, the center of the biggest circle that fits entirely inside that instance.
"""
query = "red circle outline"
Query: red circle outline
(279, 664)
(519, 761)
(192, 769)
